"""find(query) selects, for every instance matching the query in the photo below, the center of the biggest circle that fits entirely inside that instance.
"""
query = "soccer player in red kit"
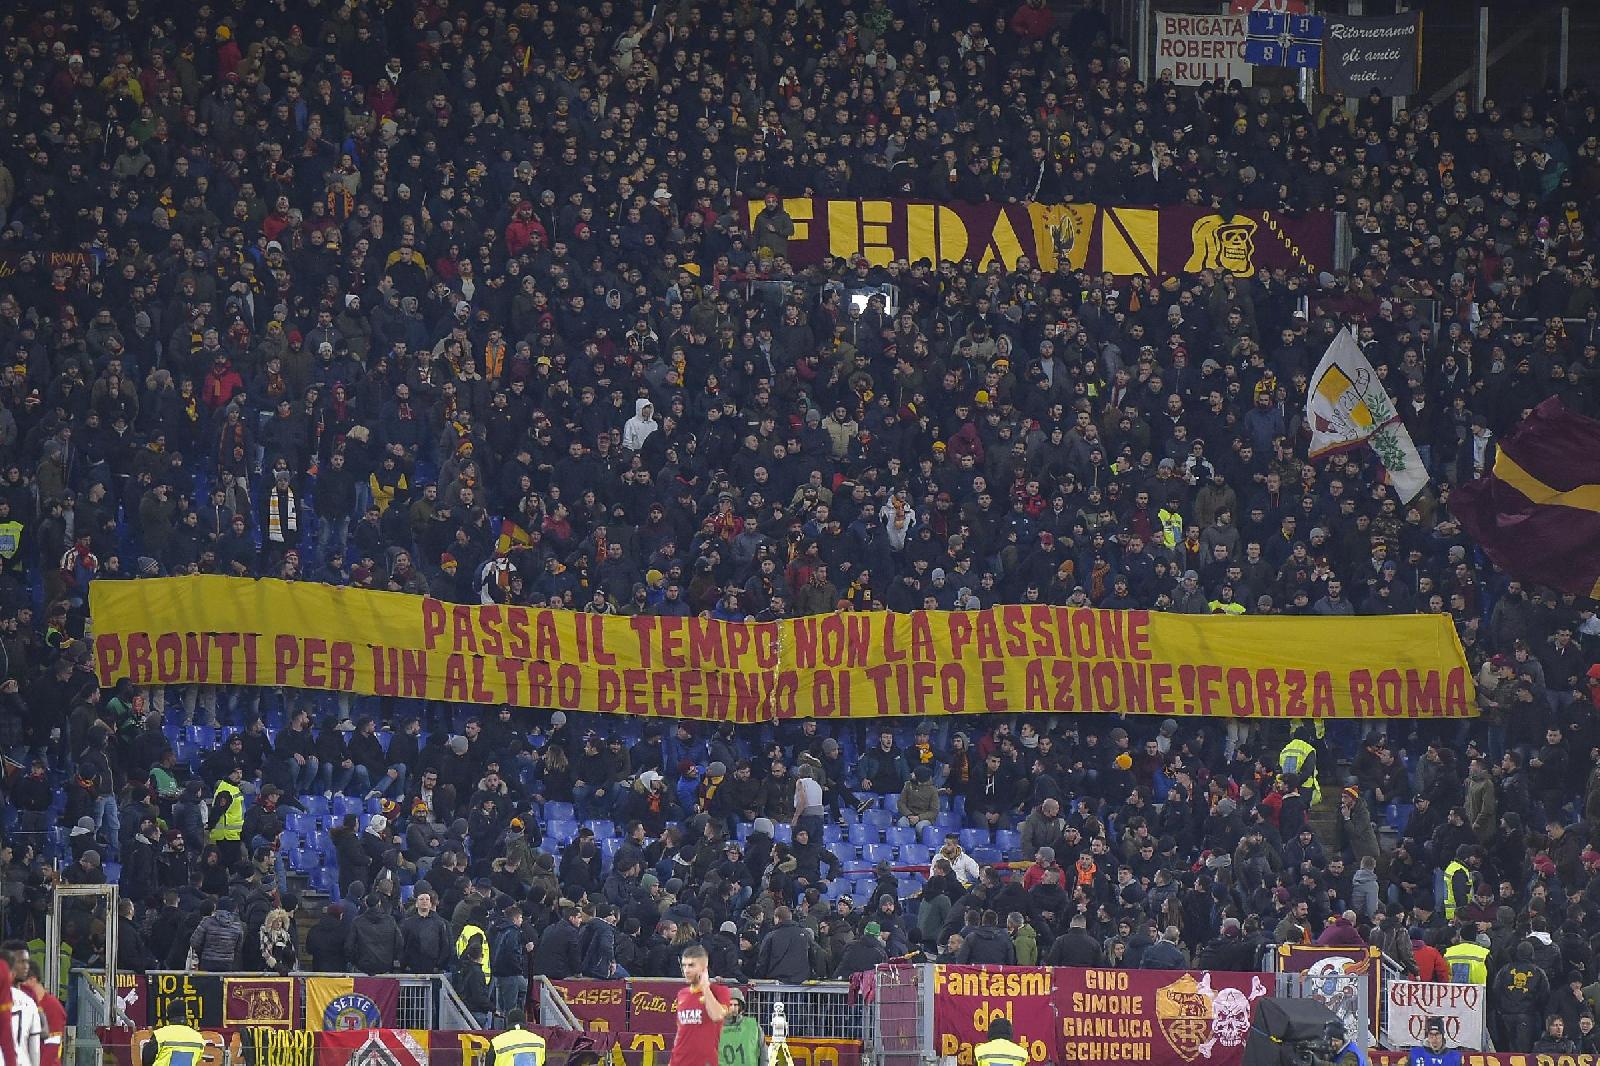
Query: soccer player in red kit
(700, 1010)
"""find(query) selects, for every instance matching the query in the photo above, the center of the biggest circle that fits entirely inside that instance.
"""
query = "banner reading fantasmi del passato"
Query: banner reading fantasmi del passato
(235, 631)
(1153, 241)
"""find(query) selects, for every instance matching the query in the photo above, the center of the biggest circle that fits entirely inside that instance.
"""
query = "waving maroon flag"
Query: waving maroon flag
(1537, 512)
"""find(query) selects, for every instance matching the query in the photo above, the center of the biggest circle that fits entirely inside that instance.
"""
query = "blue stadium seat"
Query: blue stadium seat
(933, 836)
(987, 856)
(891, 803)
(830, 833)
(558, 812)
(601, 828)
(315, 805)
(897, 834)
(1009, 841)
(861, 836)
(783, 834)
(878, 819)
(972, 839)
(561, 830)
(876, 853)
(915, 855)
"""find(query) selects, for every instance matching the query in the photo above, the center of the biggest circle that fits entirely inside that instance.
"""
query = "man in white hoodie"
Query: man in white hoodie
(640, 426)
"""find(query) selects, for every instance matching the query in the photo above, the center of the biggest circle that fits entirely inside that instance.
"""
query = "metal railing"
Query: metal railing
(819, 1010)
(899, 1017)
(418, 1005)
(554, 1011)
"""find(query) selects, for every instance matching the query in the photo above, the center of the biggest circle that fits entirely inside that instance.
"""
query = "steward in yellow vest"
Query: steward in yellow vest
(1468, 961)
(468, 931)
(1300, 758)
(174, 1045)
(516, 1046)
(1000, 1049)
(227, 817)
(1457, 883)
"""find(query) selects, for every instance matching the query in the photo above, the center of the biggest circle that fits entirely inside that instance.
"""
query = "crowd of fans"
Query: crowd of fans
(464, 300)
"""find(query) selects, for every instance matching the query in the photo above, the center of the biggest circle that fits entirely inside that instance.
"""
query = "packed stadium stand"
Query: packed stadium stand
(501, 304)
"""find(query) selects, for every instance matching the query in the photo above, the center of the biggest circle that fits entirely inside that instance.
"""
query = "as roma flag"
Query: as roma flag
(1537, 512)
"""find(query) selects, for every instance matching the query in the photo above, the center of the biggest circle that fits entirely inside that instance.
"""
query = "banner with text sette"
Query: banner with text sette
(1007, 659)
(1194, 49)
(1150, 241)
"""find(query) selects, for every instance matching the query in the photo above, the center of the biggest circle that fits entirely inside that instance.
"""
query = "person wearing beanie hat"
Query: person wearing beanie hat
(863, 953)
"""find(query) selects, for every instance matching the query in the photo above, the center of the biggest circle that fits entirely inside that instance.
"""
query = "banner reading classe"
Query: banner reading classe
(1150, 241)
(235, 631)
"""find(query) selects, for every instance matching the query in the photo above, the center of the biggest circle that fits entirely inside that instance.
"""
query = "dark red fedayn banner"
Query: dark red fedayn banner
(1152, 241)
(1072, 1015)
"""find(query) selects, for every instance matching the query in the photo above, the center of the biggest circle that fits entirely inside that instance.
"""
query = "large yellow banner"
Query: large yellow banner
(235, 631)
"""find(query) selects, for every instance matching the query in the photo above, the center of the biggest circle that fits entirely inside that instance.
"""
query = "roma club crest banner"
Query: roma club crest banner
(349, 1003)
(234, 631)
(1073, 1015)
(1153, 241)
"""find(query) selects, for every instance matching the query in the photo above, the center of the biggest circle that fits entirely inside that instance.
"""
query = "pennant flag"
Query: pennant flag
(1283, 40)
(258, 1001)
(1347, 406)
(1537, 512)
(375, 1047)
(347, 1003)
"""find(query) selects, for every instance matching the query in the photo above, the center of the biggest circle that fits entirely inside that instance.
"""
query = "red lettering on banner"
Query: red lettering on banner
(107, 655)
(643, 625)
(139, 658)
(891, 653)
(433, 621)
(286, 656)
(169, 658)
(455, 678)
(994, 686)
(518, 646)
(671, 643)
(705, 642)
(314, 670)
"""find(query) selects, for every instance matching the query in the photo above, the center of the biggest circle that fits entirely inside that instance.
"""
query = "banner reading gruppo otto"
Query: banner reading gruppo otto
(235, 631)
(1152, 241)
